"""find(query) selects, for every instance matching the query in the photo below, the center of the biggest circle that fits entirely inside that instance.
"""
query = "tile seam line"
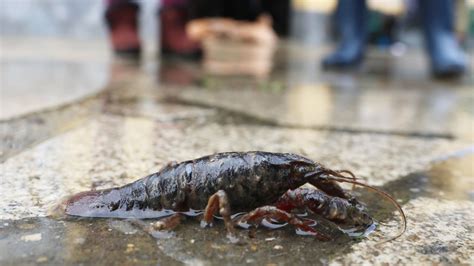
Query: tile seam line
(269, 122)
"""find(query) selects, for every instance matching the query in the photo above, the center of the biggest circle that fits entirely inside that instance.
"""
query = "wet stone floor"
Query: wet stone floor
(399, 131)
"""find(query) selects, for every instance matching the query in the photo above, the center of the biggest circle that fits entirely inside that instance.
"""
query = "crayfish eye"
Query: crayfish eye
(301, 168)
(353, 202)
(304, 169)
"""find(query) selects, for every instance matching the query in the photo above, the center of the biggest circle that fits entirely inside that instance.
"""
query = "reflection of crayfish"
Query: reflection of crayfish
(238, 181)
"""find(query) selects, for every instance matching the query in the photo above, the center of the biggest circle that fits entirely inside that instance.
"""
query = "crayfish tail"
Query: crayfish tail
(127, 201)
(98, 203)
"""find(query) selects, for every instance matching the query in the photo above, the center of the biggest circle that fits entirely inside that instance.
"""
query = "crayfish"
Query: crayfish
(264, 185)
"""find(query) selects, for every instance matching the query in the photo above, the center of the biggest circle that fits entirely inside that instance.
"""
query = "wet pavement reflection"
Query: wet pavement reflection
(443, 110)
(451, 179)
(43, 240)
(405, 134)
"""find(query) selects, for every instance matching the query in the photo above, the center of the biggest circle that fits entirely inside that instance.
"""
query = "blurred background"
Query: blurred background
(97, 93)
(66, 48)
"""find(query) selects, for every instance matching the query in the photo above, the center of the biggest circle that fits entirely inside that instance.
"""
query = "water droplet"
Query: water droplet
(304, 233)
(232, 239)
(163, 234)
(278, 247)
(304, 214)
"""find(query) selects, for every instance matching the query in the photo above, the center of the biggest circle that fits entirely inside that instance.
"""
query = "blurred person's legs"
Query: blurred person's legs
(235, 9)
(351, 24)
(122, 21)
(174, 15)
(279, 10)
(447, 58)
(248, 10)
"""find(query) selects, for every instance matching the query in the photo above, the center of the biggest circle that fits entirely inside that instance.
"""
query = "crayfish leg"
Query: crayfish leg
(219, 202)
(272, 212)
(168, 223)
(162, 228)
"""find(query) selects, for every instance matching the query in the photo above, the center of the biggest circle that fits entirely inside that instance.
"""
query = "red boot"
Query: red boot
(122, 21)
(174, 40)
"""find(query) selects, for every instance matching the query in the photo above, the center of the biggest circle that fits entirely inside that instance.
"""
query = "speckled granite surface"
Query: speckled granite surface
(415, 144)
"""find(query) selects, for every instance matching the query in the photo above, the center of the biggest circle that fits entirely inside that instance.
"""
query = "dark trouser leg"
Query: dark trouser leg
(351, 23)
(280, 12)
(447, 58)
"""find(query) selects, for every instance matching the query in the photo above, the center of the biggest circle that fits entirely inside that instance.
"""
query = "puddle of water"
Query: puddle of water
(106, 241)
(83, 241)
(452, 179)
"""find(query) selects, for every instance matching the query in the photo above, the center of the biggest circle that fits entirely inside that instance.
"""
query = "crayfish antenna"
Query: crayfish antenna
(338, 173)
(385, 195)
(347, 172)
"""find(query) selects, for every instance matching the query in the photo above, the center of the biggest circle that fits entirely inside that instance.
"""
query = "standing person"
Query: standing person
(446, 57)
(121, 17)
(122, 21)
